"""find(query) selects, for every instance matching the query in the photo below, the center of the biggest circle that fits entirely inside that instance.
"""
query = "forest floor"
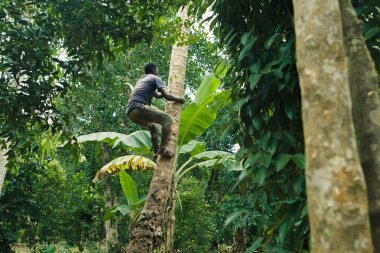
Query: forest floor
(23, 248)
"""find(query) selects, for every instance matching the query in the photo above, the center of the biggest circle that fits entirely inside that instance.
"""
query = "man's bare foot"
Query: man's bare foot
(166, 152)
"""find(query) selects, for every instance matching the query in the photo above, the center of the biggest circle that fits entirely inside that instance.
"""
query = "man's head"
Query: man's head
(151, 68)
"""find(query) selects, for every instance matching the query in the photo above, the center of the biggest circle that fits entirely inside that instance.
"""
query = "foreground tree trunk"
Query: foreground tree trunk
(147, 234)
(112, 241)
(336, 190)
(364, 80)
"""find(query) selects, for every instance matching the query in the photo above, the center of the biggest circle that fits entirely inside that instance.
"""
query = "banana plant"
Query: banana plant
(123, 163)
(134, 204)
(195, 119)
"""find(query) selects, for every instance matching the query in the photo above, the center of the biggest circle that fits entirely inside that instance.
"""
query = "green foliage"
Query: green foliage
(44, 42)
(266, 95)
(129, 188)
(198, 116)
(193, 147)
(209, 85)
(134, 203)
(138, 139)
(42, 201)
(369, 13)
(194, 121)
(194, 218)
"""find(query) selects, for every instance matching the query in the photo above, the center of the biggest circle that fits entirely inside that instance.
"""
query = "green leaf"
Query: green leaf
(282, 161)
(233, 165)
(270, 41)
(304, 211)
(299, 160)
(217, 101)
(265, 160)
(194, 121)
(139, 204)
(110, 213)
(209, 85)
(252, 159)
(193, 147)
(245, 38)
(371, 32)
(256, 123)
(129, 188)
(221, 69)
(233, 216)
(49, 249)
(213, 155)
(107, 137)
(123, 209)
(272, 146)
(138, 139)
(260, 175)
(290, 139)
(254, 246)
(283, 230)
(230, 40)
(268, 68)
(245, 173)
(247, 48)
(290, 107)
(255, 67)
(263, 141)
(211, 163)
(253, 80)
(298, 184)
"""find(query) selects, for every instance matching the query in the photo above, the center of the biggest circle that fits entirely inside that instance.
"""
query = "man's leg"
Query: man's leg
(154, 115)
(164, 150)
(154, 136)
(138, 117)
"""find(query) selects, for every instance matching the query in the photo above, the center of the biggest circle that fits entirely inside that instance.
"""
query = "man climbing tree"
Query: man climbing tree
(140, 110)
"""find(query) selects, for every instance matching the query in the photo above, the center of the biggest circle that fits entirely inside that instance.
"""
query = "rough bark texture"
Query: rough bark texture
(336, 190)
(364, 80)
(112, 241)
(147, 234)
(170, 219)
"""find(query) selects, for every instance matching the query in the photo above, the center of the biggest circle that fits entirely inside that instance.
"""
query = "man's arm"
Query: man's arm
(171, 97)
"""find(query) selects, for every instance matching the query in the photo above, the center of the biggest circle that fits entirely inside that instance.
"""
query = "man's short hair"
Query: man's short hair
(150, 68)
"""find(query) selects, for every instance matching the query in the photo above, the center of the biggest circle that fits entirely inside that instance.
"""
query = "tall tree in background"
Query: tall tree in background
(336, 190)
(148, 231)
(364, 81)
(111, 199)
(3, 169)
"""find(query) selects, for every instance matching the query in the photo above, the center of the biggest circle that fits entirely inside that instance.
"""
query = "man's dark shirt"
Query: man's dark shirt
(143, 92)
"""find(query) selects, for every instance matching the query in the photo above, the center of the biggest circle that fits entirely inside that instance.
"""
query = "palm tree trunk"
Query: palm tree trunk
(364, 82)
(336, 190)
(147, 234)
